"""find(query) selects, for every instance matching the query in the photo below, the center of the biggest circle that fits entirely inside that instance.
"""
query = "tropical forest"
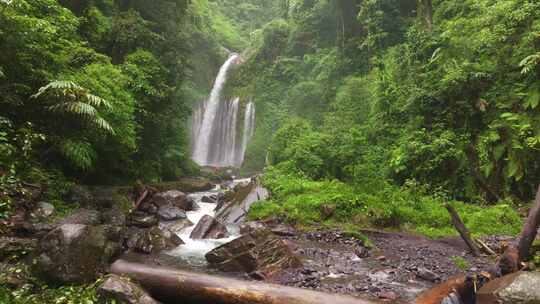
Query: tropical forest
(269, 151)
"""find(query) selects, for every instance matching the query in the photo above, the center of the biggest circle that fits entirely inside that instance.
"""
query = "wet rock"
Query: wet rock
(176, 226)
(174, 198)
(170, 213)
(239, 201)
(428, 275)
(210, 200)
(142, 220)
(152, 240)
(209, 228)
(260, 251)
(148, 207)
(74, 253)
(10, 246)
(516, 288)
(361, 252)
(43, 210)
(81, 217)
(123, 290)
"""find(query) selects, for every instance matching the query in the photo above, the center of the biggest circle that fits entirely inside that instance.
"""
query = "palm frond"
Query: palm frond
(97, 101)
(58, 85)
(79, 108)
(103, 124)
(80, 153)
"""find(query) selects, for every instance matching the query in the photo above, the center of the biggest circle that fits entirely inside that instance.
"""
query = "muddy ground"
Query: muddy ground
(396, 270)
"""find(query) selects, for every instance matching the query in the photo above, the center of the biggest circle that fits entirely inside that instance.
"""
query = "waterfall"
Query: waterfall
(249, 129)
(215, 123)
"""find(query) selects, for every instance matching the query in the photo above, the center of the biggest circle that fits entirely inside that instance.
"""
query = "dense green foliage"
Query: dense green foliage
(446, 96)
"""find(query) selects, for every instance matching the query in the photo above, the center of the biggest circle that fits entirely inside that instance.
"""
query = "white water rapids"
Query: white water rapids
(215, 138)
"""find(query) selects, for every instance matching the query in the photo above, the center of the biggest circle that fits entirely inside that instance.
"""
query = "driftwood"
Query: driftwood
(463, 231)
(484, 247)
(141, 199)
(174, 286)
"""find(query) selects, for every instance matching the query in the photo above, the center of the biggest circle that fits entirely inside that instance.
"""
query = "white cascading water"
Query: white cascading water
(214, 135)
(209, 112)
(249, 129)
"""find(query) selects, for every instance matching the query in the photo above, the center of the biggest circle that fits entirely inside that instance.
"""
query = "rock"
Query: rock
(123, 290)
(176, 226)
(43, 210)
(10, 246)
(327, 211)
(516, 288)
(259, 251)
(152, 240)
(174, 198)
(37, 230)
(427, 275)
(74, 253)
(209, 228)
(388, 295)
(81, 217)
(148, 207)
(283, 230)
(239, 201)
(207, 199)
(251, 227)
(142, 220)
(79, 194)
(170, 213)
(114, 216)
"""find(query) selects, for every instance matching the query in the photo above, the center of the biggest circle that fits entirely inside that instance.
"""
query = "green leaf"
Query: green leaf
(533, 99)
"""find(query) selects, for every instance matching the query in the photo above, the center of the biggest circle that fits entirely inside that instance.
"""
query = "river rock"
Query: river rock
(209, 228)
(114, 216)
(516, 288)
(176, 226)
(142, 220)
(148, 207)
(259, 251)
(239, 201)
(175, 198)
(43, 210)
(152, 240)
(79, 194)
(208, 199)
(123, 290)
(170, 213)
(81, 217)
(74, 253)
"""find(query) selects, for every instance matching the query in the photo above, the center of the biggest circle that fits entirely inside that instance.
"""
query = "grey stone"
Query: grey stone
(142, 220)
(81, 217)
(124, 291)
(516, 288)
(43, 210)
(209, 228)
(175, 198)
(75, 253)
(170, 213)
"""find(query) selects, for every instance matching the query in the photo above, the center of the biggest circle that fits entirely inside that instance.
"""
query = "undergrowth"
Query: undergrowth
(302, 201)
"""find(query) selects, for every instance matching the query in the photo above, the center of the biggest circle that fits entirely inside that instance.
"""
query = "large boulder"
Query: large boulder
(516, 288)
(209, 228)
(122, 290)
(238, 202)
(75, 253)
(170, 213)
(174, 198)
(153, 240)
(259, 251)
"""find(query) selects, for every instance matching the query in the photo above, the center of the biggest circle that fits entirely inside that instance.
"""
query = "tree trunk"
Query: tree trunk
(174, 286)
(463, 231)
(425, 13)
(530, 229)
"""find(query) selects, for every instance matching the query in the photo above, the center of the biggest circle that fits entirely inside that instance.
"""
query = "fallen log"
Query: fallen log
(175, 286)
(463, 231)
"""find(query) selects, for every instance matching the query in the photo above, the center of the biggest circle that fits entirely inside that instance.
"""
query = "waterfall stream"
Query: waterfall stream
(215, 126)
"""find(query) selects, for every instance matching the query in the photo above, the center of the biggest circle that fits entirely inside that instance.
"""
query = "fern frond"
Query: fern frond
(58, 85)
(529, 63)
(81, 154)
(97, 101)
(103, 124)
(79, 108)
